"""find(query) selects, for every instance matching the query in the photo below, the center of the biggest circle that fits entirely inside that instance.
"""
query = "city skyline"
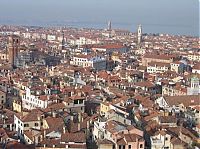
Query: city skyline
(155, 16)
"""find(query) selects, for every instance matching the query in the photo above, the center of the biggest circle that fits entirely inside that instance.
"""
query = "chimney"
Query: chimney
(79, 126)
(88, 124)
(54, 114)
(41, 138)
(38, 118)
(104, 99)
(115, 138)
(72, 118)
(44, 134)
(79, 117)
(64, 130)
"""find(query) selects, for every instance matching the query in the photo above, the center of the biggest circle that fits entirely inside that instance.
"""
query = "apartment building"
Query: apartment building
(97, 62)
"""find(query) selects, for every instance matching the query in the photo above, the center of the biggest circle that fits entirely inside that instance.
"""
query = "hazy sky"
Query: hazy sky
(166, 16)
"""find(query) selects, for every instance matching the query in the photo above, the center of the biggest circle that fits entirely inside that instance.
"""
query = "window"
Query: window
(26, 125)
(36, 124)
(129, 146)
(75, 101)
(113, 147)
(121, 146)
(141, 145)
(166, 139)
(80, 101)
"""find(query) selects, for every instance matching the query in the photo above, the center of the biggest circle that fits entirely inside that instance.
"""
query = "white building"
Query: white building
(96, 62)
(175, 66)
(177, 103)
(83, 41)
(51, 37)
(194, 57)
(33, 99)
(25, 121)
(157, 67)
(140, 51)
(160, 140)
(194, 88)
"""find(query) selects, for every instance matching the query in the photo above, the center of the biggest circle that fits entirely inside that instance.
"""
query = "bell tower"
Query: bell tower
(109, 26)
(13, 49)
(139, 34)
(63, 40)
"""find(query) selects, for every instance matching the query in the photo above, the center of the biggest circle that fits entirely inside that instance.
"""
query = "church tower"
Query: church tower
(109, 26)
(13, 49)
(194, 88)
(63, 40)
(139, 34)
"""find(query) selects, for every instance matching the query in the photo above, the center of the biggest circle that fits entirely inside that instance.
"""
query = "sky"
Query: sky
(156, 16)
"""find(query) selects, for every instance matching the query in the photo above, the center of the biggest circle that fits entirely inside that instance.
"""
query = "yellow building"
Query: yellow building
(105, 107)
(115, 56)
(17, 106)
(157, 58)
(175, 66)
(105, 144)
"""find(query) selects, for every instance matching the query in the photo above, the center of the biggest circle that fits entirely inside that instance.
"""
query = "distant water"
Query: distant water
(178, 17)
(147, 28)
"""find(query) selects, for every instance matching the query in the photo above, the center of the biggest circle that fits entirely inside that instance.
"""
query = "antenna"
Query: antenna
(109, 26)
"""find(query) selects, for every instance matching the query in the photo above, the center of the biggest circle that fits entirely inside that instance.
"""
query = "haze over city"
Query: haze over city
(156, 16)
